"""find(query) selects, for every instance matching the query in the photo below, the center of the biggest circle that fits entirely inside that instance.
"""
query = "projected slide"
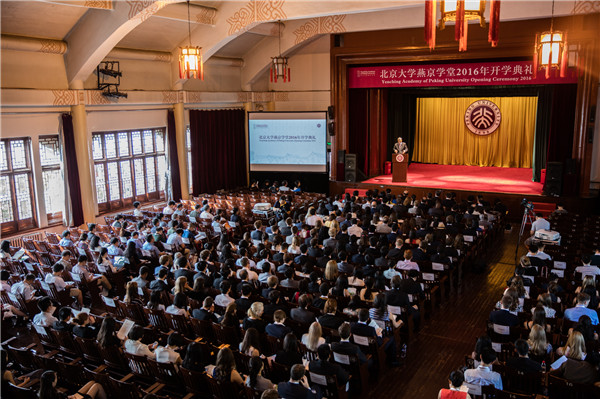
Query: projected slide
(287, 142)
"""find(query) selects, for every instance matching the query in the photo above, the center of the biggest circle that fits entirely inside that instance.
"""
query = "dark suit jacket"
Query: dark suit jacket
(259, 324)
(302, 315)
(243, 304)
(411, 287)
(345, 267)
(504, 318)
(288, 358)
(328, 368)
(62, 326)
(277, 331)
(396, 298)
(187, 273)
(288, 390)
(203, 314)
(348, 348)
(363, 330)
(159, 285)
(419, 255)
(315, 252)
(330, 321)
(395, 254)
(524, 364)
(595, 260)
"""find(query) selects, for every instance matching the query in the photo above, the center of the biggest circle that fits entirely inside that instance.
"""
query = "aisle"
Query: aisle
(442, 344)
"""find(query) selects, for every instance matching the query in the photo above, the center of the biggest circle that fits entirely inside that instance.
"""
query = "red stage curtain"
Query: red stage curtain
(218, 146)
(173, 157)
(368, 129)
(72, 177)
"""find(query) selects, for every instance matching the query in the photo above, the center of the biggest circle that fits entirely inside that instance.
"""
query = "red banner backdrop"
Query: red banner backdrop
(471, 74)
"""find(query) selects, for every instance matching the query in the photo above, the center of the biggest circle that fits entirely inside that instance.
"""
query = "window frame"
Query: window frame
(158, 194)
(18, 225)
(54, 218)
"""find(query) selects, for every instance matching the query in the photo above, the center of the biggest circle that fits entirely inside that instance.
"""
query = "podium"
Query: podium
(399, 168)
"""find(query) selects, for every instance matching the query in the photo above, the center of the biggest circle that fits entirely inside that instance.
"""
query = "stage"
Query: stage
(467, 178)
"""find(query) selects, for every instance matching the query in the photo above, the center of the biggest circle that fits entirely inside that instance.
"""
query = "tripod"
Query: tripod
(527, 217)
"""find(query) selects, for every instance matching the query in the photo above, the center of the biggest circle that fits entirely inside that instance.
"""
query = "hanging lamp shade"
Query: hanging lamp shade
(551, 50)
(280, 69)
(190, 63)
(461, 12)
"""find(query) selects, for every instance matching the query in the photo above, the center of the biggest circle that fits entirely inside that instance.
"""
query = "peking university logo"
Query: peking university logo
(483, 117)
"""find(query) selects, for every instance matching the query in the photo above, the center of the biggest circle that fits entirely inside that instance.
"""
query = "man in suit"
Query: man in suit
(324, 367)
(301, 314)
(314, 251)
(297, 387)
(244, 302)
(278, 329)
(503, 316)
(343, 265)
(160, 284)
(207, 311)
(400, 147)
(345, 347)
(522, 362)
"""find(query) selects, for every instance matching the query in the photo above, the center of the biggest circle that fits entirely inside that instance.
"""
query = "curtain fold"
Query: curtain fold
(173, 158)
(218, 145)
(72, 169)
(441, 135)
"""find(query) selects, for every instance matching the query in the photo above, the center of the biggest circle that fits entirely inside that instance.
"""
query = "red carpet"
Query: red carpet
(470, 178)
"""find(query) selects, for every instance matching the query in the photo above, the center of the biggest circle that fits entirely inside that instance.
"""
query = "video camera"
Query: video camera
(527, 204)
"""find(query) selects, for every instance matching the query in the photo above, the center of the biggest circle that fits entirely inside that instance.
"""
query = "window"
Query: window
(52, 177)
(129, 166)
(188, 147)
(16, 186)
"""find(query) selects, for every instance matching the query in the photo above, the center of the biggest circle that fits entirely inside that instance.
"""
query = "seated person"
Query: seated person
(522, 362)
(64, 317)
(503, 316)
(297, 387)
(483, 375)
(224, 369)
(457, 389)
(290, 353)
(325, 367)
(134, 344)
(329, 318)
(278, 329)
(345, 347)
(581, 309)
(169, 354)
(56, 278)
(45, 318)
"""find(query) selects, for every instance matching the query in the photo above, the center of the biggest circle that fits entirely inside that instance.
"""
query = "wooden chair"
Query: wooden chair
(135, 312)
(329, 385)
(179, 323)
(359, 374)
(140, 366)
(226, 335)
(502, 394)
(22, 357)
(114, 358)
(167, 374)
(370, 346)
(66, 343)
(195, 382)
(220, 389)
(45, 336)
(123, 389)
(203, 328)
(480, 391)
(157, 319)
(89, 349)
(16, 392)
(519, 381)
(559, 388)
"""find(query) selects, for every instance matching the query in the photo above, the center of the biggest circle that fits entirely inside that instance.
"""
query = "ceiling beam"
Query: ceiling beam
(98, 32)
(101, 5)
(198, 14)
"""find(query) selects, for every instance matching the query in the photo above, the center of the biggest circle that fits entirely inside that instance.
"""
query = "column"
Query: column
(84, 162)
(180, 128)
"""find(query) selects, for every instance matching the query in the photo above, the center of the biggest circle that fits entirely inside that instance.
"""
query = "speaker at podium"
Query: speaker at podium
(399, 168)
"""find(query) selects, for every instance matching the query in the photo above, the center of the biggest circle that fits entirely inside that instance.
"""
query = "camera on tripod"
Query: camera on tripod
(527, 204)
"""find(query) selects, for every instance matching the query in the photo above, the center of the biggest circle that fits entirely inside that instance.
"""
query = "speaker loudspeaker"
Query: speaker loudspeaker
(553, 184)
(350, 168)
(330, 112)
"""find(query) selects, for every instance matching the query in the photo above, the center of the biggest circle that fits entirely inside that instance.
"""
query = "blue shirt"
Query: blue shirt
(152, 248)
(575, 313)
(65, 242)
(114, 251)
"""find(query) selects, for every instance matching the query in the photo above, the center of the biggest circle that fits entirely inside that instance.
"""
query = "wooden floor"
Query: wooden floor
(443, 342)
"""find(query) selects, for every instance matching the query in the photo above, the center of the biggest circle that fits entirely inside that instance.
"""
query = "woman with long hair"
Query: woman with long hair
(224, 369)
(107, 335)
(154, 302)
(290, 353)
(539, 318)
(379, 313)
(538, 345)
(314, 338)
(255, 380)
(131, 294)
(368, 293)
(250, 346)
(179, 306)
(545, 300)
(197, 357)
(294, 248)
(48, 390)
(181, 285)
(230, 317)
(331, 271)
(575, 346)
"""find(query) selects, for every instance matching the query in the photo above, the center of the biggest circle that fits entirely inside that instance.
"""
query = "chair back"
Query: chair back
(157, 319)
(203, 328)
(89, 349)
(223, 389)
(328, 384)
(114, 358)
(226, 335)
(195, 381)
(559, 388)
(179, 323)
(140, 366)
(167, 374)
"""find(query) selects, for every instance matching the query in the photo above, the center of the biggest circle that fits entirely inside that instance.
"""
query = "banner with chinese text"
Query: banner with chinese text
(469, 74)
